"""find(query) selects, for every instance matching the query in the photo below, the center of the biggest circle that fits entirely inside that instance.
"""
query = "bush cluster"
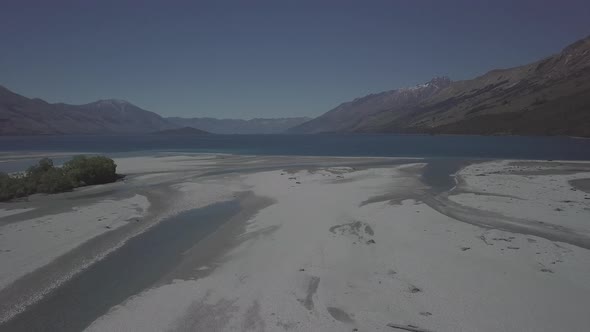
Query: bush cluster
(44, 177)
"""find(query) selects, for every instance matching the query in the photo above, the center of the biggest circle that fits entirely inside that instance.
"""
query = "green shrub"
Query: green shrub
(46, 178)
(91, 170)
(54, 180)
(8, 187)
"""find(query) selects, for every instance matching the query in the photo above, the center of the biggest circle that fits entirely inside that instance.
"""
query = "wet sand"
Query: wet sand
(261, 243)
(581, 184)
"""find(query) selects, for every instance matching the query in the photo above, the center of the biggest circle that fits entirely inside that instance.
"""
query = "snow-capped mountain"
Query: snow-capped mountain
(352, 115)
(547, 97)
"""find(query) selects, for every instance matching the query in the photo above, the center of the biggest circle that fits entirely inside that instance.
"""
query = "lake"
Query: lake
(379, 145)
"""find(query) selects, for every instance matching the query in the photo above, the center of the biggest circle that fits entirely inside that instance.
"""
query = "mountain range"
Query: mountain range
(358, 114)
(184, 131)
(239, 126)
(547, 97)
(23, 116)
(20, 115)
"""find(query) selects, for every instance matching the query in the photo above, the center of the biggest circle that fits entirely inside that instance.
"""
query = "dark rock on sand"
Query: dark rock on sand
(414, 289)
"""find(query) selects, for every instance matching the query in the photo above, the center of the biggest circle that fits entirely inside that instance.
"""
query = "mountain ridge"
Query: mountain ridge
(350, 115)
(240, 126)
(550, 96)
(20, 115)
(184, 131)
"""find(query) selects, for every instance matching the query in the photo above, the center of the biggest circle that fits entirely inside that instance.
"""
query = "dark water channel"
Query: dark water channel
(137, 265)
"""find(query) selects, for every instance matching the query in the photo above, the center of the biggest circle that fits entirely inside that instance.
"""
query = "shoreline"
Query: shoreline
(310, 230)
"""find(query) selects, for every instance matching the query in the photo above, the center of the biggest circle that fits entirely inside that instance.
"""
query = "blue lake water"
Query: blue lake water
(509, 147)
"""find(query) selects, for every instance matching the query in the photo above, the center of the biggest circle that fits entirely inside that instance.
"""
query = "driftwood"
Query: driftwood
(410, 328)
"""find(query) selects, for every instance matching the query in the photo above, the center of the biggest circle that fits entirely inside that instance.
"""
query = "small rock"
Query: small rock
(301, 270)
(502, 239)
(465, 248)
(371, 241)
(415, 289)
(109, 227)
(426, 313)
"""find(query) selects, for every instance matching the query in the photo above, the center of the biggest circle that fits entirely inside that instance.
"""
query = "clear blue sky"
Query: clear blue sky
(247, 59)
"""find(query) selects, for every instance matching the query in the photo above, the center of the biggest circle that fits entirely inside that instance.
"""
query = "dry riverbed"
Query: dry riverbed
(316, 244)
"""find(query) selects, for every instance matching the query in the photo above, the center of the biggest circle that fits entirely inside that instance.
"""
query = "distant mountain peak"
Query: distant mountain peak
(440, 81)
(119, 105)
(32, 116)
(112, 102)
(580, 45)
(436, 82)
(117, 101)
(351, 115)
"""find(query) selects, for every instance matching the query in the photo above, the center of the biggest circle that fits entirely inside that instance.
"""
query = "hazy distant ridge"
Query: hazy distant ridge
(238, 126)
(20, 115)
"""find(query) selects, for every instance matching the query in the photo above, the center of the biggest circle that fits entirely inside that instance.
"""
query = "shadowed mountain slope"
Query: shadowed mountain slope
(547, 97)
